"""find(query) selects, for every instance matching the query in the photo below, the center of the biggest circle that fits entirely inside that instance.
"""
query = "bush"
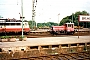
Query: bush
(23, 36)
(4, 37)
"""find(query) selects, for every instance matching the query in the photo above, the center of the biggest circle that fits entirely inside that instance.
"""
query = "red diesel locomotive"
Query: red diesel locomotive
(67, 28)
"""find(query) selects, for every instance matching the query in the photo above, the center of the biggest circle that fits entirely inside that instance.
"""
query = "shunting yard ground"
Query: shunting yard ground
(47, 41)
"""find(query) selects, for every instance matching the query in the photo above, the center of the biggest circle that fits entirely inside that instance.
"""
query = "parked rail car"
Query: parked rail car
(67, 28)
(76, 27)
(13, 26)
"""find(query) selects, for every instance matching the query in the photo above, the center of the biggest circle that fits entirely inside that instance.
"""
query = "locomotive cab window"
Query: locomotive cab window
(72, 26)
(18, 24)
(6, 24)
(12, 24)
(69, 25)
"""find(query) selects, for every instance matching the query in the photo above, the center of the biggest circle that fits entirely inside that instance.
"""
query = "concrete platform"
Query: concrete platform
(47, 41)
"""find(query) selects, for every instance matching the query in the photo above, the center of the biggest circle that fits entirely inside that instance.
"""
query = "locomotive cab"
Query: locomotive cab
(69, 28)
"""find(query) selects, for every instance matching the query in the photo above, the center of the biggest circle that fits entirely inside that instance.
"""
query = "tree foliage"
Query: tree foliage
(48, 24)
(32, 24)
(74, 18)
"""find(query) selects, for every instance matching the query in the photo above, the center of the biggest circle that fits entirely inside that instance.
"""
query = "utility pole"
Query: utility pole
(32, 13)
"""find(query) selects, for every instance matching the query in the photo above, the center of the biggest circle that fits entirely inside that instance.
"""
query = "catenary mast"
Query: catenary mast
(33, 13)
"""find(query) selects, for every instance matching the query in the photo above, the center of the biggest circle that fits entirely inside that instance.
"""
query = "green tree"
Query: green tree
(32, 24)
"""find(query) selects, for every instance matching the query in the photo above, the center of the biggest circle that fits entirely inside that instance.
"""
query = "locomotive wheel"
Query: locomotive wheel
(72, 33)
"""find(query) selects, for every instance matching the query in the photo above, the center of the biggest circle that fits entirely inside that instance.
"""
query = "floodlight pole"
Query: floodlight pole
(58, 19)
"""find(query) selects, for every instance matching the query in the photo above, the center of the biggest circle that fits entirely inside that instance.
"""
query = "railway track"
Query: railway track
(62, 56)
(69, 56)
(47, 34)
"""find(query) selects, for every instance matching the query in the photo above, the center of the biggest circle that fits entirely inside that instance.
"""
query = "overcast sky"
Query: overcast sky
(46, 10)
